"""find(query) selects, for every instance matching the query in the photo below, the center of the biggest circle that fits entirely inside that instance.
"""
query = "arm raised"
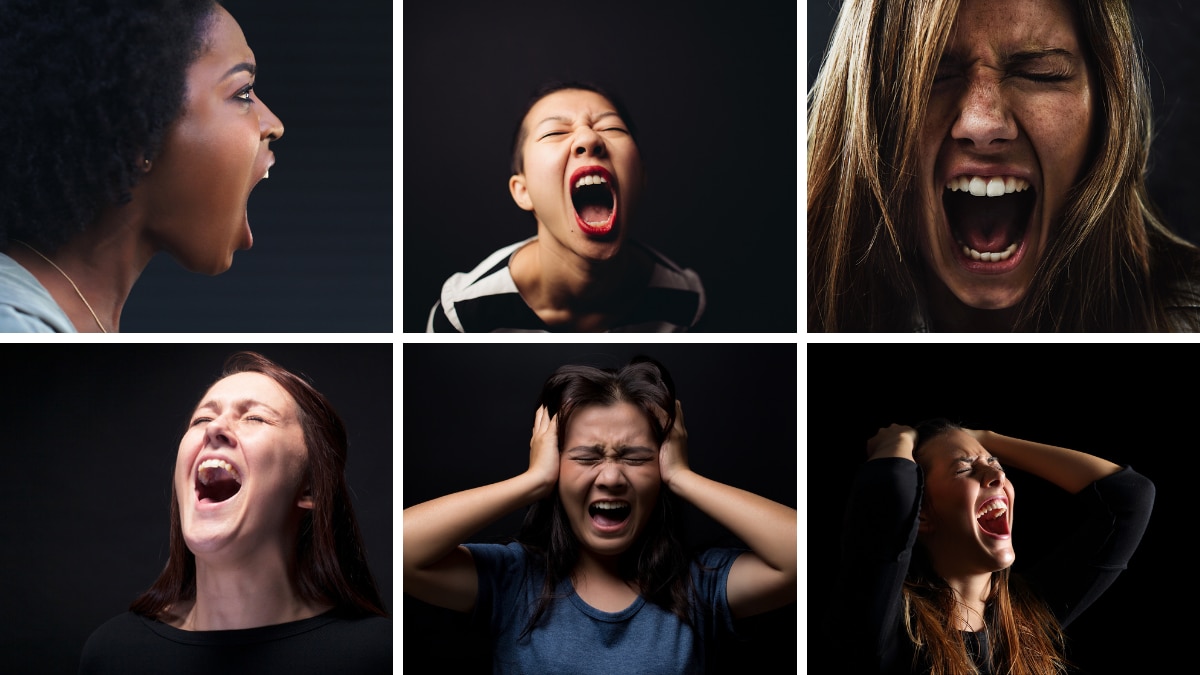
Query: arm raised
(437, 568)
(1070, 470)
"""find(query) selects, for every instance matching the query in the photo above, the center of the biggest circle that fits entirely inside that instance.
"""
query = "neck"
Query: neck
(972, 592)
(245, 594)
(103, 262)
(567, 289)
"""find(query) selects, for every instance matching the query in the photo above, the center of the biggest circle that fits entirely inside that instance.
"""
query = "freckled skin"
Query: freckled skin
(212, 156)
(988, 111)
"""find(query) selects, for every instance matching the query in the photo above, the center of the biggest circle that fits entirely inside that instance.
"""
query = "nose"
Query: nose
(611, 476)
(588, 142)
(270, 126)
(984, 117)
(995, 477)
(217, 434)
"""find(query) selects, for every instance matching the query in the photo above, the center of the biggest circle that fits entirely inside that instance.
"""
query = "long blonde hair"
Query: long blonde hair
(1113, 265)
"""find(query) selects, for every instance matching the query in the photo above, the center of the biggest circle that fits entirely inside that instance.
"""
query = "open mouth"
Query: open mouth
(609, 514)
(594, 197)
(989, 218)
(993, 518)
(216, 481)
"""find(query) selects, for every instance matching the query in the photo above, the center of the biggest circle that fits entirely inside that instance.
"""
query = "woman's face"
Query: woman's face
(582, 172)
(967, 512)
(1004, 139)
(608, 476)
(239, 471)
(212, 156)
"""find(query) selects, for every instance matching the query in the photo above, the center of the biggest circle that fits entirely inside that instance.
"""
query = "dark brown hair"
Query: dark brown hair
(330, 563)
(658, 561)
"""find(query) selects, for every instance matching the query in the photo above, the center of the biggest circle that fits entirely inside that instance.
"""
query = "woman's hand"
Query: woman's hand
(896, 440)
(672, 456)
(543, 448)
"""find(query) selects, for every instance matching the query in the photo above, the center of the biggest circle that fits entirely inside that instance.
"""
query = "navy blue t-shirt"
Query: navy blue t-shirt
(573, 637)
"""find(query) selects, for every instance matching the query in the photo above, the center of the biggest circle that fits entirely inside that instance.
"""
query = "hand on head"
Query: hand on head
(896, 440)
(543, 447)
(672, 457)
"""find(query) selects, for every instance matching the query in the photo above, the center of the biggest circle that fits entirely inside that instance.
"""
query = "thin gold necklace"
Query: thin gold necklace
(85, 302)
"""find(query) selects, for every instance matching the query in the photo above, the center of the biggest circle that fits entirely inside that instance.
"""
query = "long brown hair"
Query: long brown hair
(1113, 265)
(1024, 636)
(330, 563)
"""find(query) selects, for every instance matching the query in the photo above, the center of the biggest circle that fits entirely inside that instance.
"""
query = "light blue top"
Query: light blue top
(575, 638)
(25, 304)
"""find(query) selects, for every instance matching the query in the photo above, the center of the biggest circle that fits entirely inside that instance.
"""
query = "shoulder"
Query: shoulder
(110, 647)
(482, 298)
(499, 556)
(25, 305)
(674, 299)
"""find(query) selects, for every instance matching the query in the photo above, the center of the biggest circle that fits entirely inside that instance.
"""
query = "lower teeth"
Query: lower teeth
(989, 256)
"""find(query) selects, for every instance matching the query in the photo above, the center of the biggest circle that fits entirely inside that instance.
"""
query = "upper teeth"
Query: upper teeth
(207, 467)
(980, 186)
(593, 179)
(267, 174)
(609, 505)
(993, 505)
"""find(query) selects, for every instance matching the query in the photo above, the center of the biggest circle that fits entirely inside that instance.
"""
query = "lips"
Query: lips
(993, 518)
(594, 200)
(216, 480)
(989, 216)
(609, 515)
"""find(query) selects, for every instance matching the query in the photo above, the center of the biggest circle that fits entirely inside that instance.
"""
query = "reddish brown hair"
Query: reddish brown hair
(330, 563)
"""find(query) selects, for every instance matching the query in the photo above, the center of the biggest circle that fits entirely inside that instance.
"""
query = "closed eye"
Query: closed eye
(200, 420)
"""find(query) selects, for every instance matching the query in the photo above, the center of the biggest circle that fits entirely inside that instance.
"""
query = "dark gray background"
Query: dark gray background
(1119, 402)
(322, 255)
(468, 413)
(712, 87)
(90, 435)
(1168, 29)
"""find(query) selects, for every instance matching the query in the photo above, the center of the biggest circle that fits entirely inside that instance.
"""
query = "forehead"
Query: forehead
(620, 422)
(949, 446)
(224, 46)
(256, 386)
(569, 103)
(1015, 26)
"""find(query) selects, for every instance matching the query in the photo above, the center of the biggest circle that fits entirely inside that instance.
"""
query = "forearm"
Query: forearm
(1070, 470)
(767, 527)
(434, 528)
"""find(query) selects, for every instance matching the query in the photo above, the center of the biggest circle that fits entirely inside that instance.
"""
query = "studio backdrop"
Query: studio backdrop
(469, 411)
(90, 437)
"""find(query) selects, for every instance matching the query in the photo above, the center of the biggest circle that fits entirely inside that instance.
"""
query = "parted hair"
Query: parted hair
(89, 89)
(1111, 264)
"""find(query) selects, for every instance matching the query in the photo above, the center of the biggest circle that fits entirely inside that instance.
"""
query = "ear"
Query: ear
(924, 525)
(520, 195)
(306, 500)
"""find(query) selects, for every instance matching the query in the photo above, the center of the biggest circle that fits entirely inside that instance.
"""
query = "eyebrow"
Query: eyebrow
(620, 452)
(245, 66)
(1036, 54)
(244, 403)
(568, 120)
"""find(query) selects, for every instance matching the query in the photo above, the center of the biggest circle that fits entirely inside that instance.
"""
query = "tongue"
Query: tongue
(605, 521)
(994, 525)
(987, 224)
(595, 213)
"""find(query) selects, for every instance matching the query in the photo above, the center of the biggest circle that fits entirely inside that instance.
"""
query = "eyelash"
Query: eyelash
(635, 462)
(200, 420)
(243, 94)
(561, 133)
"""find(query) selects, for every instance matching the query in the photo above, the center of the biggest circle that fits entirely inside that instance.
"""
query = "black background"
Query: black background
(712, 87)
(1127, 404)
(89, 439)
(469, 410)
(1168, 29)
(322, 223)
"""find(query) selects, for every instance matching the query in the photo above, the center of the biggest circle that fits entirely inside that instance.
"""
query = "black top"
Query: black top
(333, 642)
(881, 529)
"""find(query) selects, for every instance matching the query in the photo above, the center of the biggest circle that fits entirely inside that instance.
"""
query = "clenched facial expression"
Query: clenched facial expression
(609, 477)
(582, 174)
(967, 509)
(1005, 138)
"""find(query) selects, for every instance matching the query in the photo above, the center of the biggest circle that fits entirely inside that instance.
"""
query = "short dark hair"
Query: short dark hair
(330, 563)
(547, 88)
(90, 88)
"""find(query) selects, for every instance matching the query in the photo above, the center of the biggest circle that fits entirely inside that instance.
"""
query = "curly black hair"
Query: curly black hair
(88, 91)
